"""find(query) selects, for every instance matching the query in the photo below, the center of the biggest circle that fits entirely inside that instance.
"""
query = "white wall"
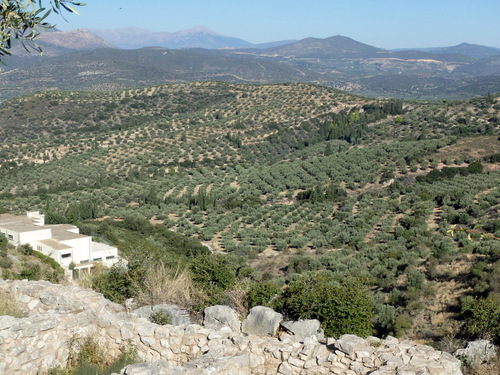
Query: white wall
(81, 249)
(100, 252)
(33, 237)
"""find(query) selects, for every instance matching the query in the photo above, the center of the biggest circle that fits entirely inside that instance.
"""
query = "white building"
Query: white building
(62, 242)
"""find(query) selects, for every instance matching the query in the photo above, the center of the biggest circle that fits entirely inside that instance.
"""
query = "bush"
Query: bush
(415, 279)
(25, 249)
(214, 271)
(48, 260)
(161, 317)
(31, 271)
(341, 308)
(482, 317)
(3, 242)
(262, 294)
(114, 283)
(475, 167)
(214, 274)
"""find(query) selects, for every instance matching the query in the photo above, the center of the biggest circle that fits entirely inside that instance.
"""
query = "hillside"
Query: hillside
(110, 69)
(79, 60)
(334, 47)
(283, 180)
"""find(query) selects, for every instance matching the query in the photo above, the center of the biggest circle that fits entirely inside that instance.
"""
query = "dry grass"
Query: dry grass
(8, 306)
(484, 369)
(166, 284)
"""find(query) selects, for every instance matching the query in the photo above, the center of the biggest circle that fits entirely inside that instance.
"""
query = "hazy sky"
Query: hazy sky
(381, 23)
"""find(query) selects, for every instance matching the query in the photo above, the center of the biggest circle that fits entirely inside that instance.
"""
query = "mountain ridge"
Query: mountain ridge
(196, 37)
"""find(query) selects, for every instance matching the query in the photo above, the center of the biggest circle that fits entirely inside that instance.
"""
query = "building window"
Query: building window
(67, 255)
(110, 257)
(10, 237)
(84, 261)
(97, 259)
(38, 248)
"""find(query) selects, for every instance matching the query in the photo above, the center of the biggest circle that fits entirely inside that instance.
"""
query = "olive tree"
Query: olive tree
(23, 20)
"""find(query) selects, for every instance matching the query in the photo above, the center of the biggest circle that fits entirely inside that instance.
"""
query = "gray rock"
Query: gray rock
(477, 352)
(303, 329)
(7, 321)
(350, 344)
(218, 316)
(261, 321)
(157, 368)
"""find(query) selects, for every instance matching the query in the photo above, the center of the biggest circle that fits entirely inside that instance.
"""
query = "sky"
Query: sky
(380, 23)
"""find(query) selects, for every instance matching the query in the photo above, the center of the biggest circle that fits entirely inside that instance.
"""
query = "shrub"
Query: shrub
(3, 242)
(161, 317)
(262, 294)
(31, 271)
(114, 283)
(482, 317)
(475, 167)
(401, 324)
(48, 260)
(25, 249)
(214, 271)
(341, 308)
(415, 279)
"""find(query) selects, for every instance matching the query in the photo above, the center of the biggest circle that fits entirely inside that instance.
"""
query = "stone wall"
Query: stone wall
(58, 314)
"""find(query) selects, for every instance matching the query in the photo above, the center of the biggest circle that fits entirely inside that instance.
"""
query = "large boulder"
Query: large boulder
(261, 321)
(477, 352)
(219, 316)
(302, 329)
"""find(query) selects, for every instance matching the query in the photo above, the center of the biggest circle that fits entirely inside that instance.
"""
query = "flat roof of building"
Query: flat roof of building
(19, 224)
(55, 245)
(61, 232)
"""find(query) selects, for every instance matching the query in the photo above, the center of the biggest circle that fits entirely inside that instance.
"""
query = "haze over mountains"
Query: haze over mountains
(131, 57)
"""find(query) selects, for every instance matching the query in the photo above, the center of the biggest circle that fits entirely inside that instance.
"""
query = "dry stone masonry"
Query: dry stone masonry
(58, 314)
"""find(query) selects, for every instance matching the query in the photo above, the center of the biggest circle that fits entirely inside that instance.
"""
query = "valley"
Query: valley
(281, 182)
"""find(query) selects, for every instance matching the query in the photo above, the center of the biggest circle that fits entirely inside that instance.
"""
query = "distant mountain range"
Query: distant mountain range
(112, 59)
(472, 50)
(196, 37)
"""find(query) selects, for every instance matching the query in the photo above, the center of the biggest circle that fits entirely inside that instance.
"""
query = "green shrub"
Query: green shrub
(401, 324)
(48, 260)
(415, 279)
(161, 317)
(31, 271)
(114, 283)
(214, 272)
(341, 308)
(482, 317)
(25, 249)
(3, 242)
(262, 294)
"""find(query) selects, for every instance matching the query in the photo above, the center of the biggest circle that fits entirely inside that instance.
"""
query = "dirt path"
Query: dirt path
(435, 218)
